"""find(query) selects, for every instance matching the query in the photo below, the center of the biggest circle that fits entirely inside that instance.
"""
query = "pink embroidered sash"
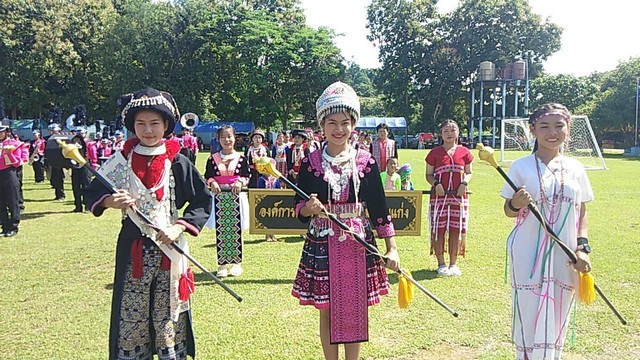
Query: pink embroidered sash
(348, 278)
(226, 180)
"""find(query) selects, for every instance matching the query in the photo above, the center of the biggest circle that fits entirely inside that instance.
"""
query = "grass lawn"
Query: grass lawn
(57, 278)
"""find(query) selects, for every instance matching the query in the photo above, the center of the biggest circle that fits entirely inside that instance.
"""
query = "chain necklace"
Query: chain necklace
(337, 172)
(556, 199)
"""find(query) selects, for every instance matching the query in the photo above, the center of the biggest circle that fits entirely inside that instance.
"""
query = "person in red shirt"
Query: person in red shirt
(449, 173)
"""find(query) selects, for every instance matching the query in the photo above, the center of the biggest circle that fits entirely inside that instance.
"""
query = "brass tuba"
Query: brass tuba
(189, 121)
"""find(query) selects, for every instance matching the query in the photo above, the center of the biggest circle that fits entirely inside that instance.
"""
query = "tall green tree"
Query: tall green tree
(429, 59)
(615, 109)
(48, 55)
(576, 93)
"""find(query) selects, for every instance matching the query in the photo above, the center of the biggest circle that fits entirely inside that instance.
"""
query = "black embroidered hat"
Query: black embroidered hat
(149, 99)
(300, 132)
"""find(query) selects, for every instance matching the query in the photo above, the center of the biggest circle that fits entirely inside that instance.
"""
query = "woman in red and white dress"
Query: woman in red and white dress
(449, 173)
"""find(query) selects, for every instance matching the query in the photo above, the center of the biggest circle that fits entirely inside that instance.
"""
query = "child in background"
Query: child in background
(391, 180)
(405, 177)
(227, 172)
(449, 173)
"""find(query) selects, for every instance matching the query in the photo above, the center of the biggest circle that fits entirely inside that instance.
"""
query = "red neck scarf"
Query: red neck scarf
(149, 168)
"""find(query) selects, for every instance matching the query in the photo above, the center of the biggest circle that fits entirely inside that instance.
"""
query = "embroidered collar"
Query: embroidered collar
(227, 157)
(150, 151)
(341, 158)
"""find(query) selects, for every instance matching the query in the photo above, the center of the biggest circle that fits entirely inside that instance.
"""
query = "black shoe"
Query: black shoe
(77, 210)
(11, 233)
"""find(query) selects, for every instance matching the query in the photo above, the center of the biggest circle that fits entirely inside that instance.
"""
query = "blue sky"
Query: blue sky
(597, 34)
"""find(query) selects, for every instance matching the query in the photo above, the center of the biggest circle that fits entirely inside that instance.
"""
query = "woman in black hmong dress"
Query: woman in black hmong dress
(335, 274)
(227, 173)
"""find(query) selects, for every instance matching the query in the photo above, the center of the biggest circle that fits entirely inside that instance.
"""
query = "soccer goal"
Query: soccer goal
(517, 141)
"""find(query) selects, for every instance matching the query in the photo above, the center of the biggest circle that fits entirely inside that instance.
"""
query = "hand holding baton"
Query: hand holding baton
(70, 151)
(264, 165)
(486, 153)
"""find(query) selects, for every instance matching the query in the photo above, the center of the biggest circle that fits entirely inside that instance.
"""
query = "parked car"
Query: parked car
(427, 139)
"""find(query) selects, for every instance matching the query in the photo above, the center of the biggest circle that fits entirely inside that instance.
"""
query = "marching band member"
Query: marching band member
(10, 160)
(103, 148)
(23, 150)
(118, 143)
(383, 148)
(37, 156)
(189, 145)
(92, 151)
(81, 177)
(255, 151)
(57, 174)
(296, 152)
(228, 170)
(150, 308)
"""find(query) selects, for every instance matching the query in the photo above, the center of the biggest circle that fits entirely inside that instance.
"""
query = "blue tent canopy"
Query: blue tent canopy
(212, 127)
(372, 122)
(207, 130)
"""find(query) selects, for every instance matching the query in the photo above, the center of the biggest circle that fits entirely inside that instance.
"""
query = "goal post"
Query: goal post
(516, 141)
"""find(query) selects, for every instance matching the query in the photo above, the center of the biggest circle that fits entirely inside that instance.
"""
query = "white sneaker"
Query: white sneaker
(454, 270)
(443, 270)
(236, 270)
(222, 271)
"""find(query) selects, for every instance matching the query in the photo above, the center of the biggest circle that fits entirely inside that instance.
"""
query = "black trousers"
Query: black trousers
(79, 181)
(20, 194)
(38, 170)
(9, 200)
(57, 181)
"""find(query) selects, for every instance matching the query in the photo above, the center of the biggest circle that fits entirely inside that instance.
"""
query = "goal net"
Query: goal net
(516, 141)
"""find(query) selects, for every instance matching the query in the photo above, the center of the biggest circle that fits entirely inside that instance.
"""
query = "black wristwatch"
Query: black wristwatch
(586, 249)
(464, 183)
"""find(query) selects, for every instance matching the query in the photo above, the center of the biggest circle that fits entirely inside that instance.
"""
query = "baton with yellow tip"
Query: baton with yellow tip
(265, 165)
(71, 152)
(485, 153)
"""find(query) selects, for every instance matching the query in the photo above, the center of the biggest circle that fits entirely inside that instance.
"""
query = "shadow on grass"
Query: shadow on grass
(292, 239)
(204, 279)
(35, 215)
(109, 286)
(40, 200)
(419, 275)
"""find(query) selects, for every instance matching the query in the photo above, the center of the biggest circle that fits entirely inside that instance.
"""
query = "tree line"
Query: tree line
(257, 60)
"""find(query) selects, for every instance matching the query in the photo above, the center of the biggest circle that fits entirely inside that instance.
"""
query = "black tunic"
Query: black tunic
(190, 188)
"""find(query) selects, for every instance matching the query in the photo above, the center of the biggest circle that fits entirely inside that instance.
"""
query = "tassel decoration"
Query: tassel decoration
(187, 285)
(405, 291)
(586, 289)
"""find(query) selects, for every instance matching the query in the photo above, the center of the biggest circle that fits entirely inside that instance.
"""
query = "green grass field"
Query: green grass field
(57, 277)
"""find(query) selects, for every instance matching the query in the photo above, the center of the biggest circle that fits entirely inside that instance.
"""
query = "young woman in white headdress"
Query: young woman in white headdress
(336, 275)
